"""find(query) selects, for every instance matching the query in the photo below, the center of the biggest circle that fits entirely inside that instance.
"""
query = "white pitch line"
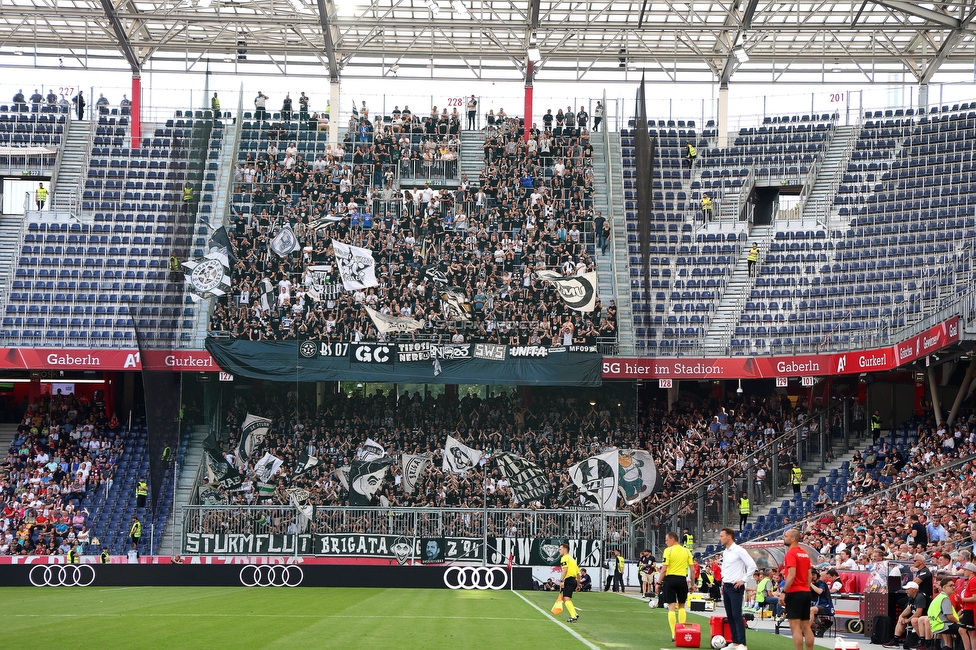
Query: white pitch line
(575, 634)
(313, 616)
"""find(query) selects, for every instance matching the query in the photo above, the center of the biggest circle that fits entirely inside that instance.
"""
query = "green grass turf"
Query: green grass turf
(222, 617)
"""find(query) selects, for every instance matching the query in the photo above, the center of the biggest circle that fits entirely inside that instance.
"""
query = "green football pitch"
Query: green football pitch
(224, 617)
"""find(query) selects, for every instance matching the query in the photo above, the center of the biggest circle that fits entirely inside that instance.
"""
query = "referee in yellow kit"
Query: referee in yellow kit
(570, 579)
(674, 579)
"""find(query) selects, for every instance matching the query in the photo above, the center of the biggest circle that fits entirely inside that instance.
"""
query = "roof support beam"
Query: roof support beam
(744, 23)
(330, 50)
(948, 45)
(912, 9)
(121, 36)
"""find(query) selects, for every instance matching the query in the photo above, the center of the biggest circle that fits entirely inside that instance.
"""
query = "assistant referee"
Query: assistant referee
(569, 581)
(674, 583)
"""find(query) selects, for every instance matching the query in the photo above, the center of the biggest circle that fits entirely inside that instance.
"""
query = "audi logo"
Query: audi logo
(62, 575)
(475, 577)
(271, 575)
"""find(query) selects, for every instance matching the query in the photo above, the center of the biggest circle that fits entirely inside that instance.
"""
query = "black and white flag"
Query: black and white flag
(285, 242)
(305, 463)
(343, 474)
(323, 222)
(578, 291)
(319, 285)
(596, 478)
(371, 450)
(211, 495)
(365, 479)
(637, 475)
(357, 269)
(267, 467)
(437, 366)
(457, 302)
(459, 458)
(527, 480)
(396, 324)
(302, 500)
(207, 276)
(253, 432)
(413, 467)
(220, 240)
(435, 275)
(221, 472)
(266, 295)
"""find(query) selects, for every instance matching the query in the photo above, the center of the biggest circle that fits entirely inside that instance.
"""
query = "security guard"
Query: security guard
(41, 196)
(688, 541)
(706, 207)
(753, 257)
(618, 572)
(690, 154)
(167, 456)
(744, 510)
(187, 193)
(142, 491)
(796, 478)
(73, 557)
(135, 532)
(215, 106)
(876, 426)
(104, 557)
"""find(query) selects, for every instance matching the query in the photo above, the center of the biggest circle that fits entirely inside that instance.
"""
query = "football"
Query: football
(718, 642)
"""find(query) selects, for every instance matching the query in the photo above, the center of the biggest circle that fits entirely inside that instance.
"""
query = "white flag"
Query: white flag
(459, 458)
(266, 295)
(578, 291)
(413, 467)
(253, 432)
(323, 222)
(343, 474)
(285, 242)
(318, 283)
(302, 500)
(371, 450)
(207, 276)
(356, 266)
(267, 467)
(596, 478)
(386, 323)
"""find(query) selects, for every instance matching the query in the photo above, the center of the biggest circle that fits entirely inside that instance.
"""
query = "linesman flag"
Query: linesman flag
(459, 458)
(596, 478)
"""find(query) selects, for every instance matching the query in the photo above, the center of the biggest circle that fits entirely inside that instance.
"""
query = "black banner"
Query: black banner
(526, 479)
(304, 361)
(434, 549)
(524, 551)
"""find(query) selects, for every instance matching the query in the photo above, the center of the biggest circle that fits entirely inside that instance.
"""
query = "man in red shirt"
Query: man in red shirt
(968, 600)
(796, 597)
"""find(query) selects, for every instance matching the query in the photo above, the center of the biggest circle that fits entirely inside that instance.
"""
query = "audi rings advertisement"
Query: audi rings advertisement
(272, 575)
(62, 575)
(252, 573)
(476, 577)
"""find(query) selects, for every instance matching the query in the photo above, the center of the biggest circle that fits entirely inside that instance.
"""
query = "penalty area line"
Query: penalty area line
(573, 632)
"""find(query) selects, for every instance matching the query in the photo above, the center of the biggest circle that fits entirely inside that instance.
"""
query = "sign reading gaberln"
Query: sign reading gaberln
(525, 551)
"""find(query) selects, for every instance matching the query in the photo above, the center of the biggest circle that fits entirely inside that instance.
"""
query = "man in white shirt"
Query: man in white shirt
(737, 566)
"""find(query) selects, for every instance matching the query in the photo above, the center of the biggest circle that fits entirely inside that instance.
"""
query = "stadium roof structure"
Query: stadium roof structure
(754, 41)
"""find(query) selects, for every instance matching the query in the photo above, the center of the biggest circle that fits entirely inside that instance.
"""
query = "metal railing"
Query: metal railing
(477, 526)
(712, 503)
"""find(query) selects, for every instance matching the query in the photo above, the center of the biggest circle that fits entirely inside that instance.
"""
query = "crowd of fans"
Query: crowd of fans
(64, 451)
(530, 211)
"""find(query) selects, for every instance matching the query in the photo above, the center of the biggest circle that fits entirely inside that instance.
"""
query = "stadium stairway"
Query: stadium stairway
(835, 161)
(11, 236)
(7, 433)
(472, 156)
(189, 458)
(606, 288)
(75, 156)
(620, 260)
(729, 311)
